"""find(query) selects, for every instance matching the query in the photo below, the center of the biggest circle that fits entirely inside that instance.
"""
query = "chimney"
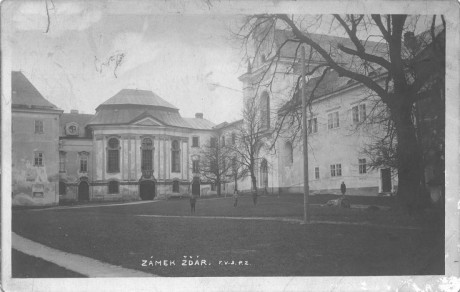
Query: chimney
(199, 115)
(74, 111)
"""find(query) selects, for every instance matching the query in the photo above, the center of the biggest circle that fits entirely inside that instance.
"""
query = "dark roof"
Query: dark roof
(24, 93)
(130, 114)
(81, 119)
(198, 123)
(327, 42)
(131, 105)
(137, 97)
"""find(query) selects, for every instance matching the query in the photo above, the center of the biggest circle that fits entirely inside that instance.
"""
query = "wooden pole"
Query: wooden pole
(306, 187)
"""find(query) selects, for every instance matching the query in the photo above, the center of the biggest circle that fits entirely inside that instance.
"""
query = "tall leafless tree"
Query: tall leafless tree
(215, 163)
(251, 136)
(409, 64)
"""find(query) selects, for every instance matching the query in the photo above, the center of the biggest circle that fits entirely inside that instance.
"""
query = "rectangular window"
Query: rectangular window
(223, 141)
(213, 142)
(113, 165)
(355, 113)
(316, 172)
(333, 120)
(84, 164)
(61, 161)
(312, 125)
(147, 159)
(38, 159)
(362, 166)
(233, 138)
(336, 170)
(359, 113)
(195, 141)
(38, 127)
(332, 169)
(362, 112)
(196, 166)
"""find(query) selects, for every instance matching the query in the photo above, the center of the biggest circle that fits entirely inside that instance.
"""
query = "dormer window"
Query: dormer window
(71, 129)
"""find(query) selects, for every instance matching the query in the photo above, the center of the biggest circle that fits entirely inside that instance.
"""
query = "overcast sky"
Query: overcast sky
(176, 56)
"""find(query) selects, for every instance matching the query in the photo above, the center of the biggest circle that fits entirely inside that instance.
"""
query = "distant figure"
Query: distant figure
(343, 188)
(192, 203)
(254, 197)
(235, 197)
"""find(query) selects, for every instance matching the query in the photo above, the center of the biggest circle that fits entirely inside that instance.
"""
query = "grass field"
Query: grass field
(119, 236)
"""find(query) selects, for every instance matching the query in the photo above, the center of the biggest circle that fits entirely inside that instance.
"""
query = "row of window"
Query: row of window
(336, 169)
(333, 118)
(113, 155)
(83, 162)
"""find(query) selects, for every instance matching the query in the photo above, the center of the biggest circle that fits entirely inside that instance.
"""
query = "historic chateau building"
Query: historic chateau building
(335, 142)
(136, 146)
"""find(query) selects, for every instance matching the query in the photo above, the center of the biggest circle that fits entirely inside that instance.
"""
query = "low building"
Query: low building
(35, 145)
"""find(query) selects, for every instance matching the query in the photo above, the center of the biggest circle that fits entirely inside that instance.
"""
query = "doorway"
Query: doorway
(147, 189)
(386, 180)
(83, 191)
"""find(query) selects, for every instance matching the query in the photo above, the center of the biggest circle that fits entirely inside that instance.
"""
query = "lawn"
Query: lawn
(258, 248)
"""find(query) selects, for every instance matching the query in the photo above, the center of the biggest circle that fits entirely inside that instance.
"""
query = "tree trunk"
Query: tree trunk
(410, 166)
(218, 186)
(253, 181)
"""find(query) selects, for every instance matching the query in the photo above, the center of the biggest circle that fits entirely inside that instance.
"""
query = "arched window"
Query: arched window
(113, 155)
(175, 186)
(113, 187)
(288, 152)
(175, 156)
(147, 154)
(264, 173)
(62, 188)
(265, 110)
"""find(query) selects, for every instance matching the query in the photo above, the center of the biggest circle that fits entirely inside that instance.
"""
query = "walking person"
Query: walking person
(235, 197)
(343, 188)
(192, 203)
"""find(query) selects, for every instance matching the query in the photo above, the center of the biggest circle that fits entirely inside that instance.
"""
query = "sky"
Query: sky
(177, 56)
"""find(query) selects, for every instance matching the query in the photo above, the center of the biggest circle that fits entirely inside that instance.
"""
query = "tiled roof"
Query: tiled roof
(24, 93)
(130, 114)
(327, 42)
(198, 123)
(136, 97)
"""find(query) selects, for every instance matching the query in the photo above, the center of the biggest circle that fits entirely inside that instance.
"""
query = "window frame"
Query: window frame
(336, 170)
(175, 184)
(197, 139)
(196, 166)
(62, 161)
(39, 158)
(333, 120)
(362, 166)
(38, 126)
(317, 172)
(175, 156)
(111, 150)
(111, 185)
(147, 148)
(313, 128)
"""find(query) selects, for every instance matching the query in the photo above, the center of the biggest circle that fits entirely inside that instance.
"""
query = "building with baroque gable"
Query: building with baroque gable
(136, 146)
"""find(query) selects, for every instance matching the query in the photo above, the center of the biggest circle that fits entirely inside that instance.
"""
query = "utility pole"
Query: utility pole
(306, 188)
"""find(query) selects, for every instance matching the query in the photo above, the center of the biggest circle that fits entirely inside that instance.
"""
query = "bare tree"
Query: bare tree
(215, 162)
(250, 137)
(405, 66)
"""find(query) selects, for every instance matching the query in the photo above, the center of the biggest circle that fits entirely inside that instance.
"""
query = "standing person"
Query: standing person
(192, 203)
(235, 197)
(254, 197)
(343, 188)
